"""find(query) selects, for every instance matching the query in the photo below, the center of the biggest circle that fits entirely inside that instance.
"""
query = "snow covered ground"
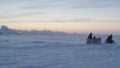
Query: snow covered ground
(57, 51)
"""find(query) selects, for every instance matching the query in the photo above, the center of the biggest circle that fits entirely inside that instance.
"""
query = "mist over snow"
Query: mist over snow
(47, 49)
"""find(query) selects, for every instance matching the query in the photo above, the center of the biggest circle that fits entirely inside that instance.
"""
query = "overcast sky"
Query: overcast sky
(86, 12)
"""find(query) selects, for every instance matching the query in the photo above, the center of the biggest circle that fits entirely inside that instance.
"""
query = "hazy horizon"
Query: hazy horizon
(77, 32)
(80, 16)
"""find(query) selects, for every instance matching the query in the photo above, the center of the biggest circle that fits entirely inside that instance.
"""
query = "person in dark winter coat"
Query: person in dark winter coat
(109, 39)
(99, 40)
(90, 39)
(90, 36)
